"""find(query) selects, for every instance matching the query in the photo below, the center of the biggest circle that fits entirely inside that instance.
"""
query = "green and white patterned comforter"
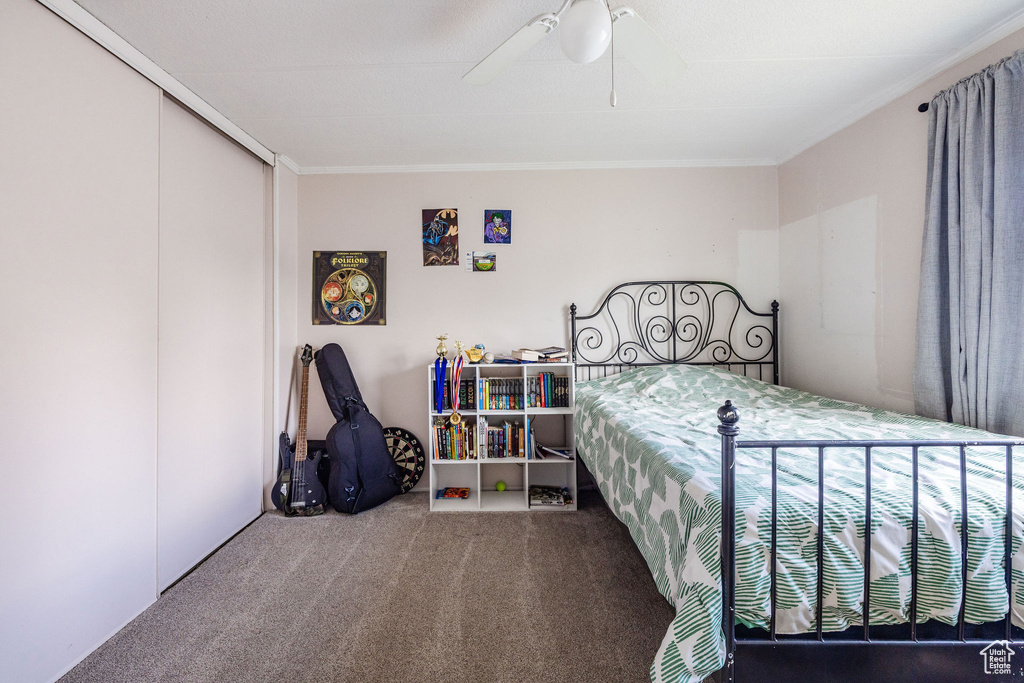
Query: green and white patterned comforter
(649, 437)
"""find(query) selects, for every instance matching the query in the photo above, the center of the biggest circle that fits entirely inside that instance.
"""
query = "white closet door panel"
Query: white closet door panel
(78, 327)
(211, 340)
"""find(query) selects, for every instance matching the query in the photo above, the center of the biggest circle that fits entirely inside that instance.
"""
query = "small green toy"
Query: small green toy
(500, 486)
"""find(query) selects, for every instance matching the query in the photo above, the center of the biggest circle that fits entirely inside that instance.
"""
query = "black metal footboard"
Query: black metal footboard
(873, 653)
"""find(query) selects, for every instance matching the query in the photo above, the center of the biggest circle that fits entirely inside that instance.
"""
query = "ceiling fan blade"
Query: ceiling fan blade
(511, 50)
(644, 48)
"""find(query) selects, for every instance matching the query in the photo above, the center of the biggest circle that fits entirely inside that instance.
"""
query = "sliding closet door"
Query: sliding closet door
(78, 343)
(211, 317)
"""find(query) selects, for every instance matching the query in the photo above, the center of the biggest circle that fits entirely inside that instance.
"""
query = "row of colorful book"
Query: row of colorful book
(506, 441)
(500, 394)
(467, 394)
(455, 442)
(548, 390)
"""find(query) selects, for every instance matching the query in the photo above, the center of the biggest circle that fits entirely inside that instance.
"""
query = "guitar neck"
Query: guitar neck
(300, 435)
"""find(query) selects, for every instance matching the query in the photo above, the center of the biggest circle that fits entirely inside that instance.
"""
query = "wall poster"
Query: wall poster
(440, 237)
(349, 287)
(498, 226)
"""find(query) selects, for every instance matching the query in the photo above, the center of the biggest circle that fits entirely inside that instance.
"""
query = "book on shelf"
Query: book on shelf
(551, 352)
(542, 452)
(547, 354)
(453, 492)
(454, 441)
(467, 394)
(548, 390)
(546, 496)
(506, 441)
(496, 393)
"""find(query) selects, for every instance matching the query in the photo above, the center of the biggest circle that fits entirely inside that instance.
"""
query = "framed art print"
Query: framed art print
(349, 287)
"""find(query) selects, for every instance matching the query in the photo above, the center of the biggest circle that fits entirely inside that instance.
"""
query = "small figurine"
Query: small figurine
(475, 354)
(441, 350)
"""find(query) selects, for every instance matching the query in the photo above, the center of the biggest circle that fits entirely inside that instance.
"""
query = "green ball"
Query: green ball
(500, 486)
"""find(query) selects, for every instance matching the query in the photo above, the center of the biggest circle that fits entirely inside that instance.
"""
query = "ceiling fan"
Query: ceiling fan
(586, 29)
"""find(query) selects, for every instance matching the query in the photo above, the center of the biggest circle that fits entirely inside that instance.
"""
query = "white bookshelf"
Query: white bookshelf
(551, 426)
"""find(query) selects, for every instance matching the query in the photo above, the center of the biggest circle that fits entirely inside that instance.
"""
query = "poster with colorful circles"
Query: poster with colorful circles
(349, 287)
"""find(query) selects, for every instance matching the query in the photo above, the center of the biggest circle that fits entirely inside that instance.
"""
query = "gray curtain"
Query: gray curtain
(970, 322)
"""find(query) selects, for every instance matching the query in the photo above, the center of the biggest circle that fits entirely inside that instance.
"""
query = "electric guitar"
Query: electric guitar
(298, 490)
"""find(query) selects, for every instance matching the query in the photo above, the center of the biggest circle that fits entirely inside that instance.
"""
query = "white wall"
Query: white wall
(575, 234)
(211, 393)
(851, 211)
(78, 323)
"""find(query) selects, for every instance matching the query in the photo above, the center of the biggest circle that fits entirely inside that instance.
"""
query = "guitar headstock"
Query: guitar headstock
(307, 356)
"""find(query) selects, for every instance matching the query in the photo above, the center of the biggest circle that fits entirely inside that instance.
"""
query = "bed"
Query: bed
(679, 417)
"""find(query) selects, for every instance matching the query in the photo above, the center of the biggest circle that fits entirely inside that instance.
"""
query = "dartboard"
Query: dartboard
(407, 451)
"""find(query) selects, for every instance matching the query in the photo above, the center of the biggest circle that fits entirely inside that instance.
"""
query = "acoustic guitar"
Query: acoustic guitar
(298, 491)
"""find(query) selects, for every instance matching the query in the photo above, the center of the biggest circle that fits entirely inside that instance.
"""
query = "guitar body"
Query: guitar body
(311, 497)
(298, 490)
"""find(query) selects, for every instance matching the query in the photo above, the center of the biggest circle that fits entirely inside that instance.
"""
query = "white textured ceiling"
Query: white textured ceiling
(359, 84)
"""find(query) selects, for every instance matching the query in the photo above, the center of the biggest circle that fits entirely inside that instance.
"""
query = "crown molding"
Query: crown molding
(75, 15)
(538, 166)
(1011, 24)
(287, 162)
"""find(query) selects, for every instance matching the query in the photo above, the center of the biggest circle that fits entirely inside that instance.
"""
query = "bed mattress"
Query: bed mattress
(649, 437)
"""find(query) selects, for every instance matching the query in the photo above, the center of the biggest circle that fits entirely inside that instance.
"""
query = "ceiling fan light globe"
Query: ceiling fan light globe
(585, 30)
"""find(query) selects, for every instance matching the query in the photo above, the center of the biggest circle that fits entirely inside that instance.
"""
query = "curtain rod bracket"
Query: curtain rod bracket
(923, 107)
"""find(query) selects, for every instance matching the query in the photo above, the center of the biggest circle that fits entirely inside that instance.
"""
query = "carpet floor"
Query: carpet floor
(402, 594)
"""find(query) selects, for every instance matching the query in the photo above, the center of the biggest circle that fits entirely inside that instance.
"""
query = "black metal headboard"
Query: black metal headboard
(674, 322)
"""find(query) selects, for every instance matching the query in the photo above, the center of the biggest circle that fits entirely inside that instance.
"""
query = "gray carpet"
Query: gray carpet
(401, 594)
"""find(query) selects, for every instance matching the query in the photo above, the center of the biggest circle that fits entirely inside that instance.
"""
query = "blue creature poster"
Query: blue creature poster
(440, 237)
(498, 226)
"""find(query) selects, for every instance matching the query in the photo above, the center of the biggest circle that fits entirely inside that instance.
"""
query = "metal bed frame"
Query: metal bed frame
(709, 323)
(693, 322)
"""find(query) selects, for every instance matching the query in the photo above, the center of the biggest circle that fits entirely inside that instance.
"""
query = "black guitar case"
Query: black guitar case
(363, 472)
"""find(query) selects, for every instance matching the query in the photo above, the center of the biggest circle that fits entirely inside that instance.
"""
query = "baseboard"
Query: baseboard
(210, 554)
(104, 639)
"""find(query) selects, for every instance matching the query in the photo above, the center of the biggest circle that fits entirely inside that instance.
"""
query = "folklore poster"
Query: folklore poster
(498, 226)
(440, 237)
(349, 287)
